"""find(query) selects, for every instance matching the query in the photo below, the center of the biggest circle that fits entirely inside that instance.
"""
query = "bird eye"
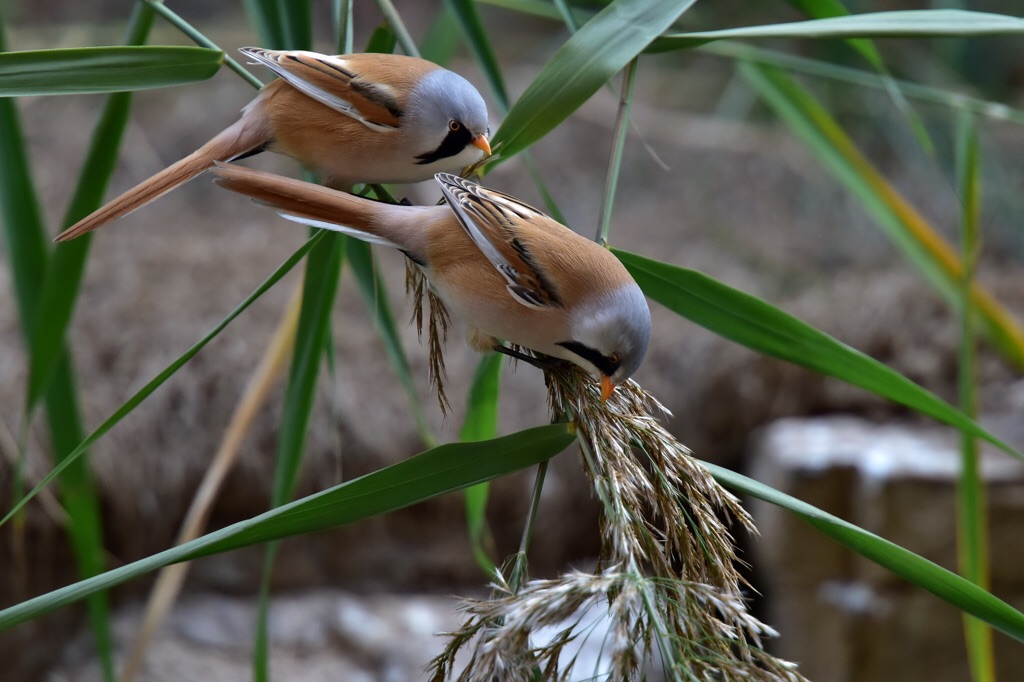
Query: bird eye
(454, 126)
(614, 359)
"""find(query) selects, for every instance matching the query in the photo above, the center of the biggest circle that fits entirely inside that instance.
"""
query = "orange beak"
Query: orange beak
(480, 142)
(607, 387)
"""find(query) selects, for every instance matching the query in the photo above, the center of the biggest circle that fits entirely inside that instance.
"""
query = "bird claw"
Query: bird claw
(541, 362)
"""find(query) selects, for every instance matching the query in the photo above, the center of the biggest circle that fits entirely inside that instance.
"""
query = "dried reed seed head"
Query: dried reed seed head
(662, 509)
(718, 638)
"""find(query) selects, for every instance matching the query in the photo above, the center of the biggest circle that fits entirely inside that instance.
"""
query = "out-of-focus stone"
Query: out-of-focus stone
(319, 635)
(842, 617)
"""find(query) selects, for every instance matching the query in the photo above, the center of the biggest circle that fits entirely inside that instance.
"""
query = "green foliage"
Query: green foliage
(47, 279)
(88, 70)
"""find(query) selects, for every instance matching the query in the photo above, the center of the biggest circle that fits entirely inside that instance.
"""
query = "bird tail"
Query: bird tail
(247, 136)
(304, 202)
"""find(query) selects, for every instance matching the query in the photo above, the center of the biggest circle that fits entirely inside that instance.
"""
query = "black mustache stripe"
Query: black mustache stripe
(452, 144)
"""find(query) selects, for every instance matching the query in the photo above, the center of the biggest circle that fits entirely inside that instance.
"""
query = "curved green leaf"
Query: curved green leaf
(944, 584)
(437, 471)
(602, 47)
(901, 222)
(749, 321)
(155, 383)
(930, 23)
(84, 70)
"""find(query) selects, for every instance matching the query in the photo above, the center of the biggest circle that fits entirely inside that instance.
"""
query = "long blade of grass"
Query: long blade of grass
(536, 8)
(266, 18)
(754, 323)
(78, 492)
(442, 38)
(394, 20)
(196, 36)
(618, 146)
(435, 472)
(918, 240)
(823, 9)
(481, 423)
(932, 23)
(568, 18)
(813, 67)
(341, 13)
(972, 524)
(87, 70)
(371, 286)
(944, 584)
(602, 47)
(294, 29)
(480, 45)
(297, 23)
(323, 271)
(827, 9)
(319, 287)
(468, 18)
(157, 381)
(170, 580)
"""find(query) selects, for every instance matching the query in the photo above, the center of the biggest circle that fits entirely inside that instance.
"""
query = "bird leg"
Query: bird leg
(541, 362)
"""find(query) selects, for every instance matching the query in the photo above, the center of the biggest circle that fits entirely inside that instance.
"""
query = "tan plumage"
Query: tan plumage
(511, 272)
(373, 118)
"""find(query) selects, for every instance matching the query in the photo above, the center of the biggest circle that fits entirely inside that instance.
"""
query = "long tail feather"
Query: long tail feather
(243, 138)
(320, 206)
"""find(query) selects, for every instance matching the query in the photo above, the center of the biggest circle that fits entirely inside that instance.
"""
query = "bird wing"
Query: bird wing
(494, 221)
(331, 81)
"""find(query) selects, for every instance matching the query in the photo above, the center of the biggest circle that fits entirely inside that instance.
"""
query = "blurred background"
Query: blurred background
(711, 180)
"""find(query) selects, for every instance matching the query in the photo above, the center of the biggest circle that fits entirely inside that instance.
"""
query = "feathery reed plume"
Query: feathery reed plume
(437, 328)
(667, 578)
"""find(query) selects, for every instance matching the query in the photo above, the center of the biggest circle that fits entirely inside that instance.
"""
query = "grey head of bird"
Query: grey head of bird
(610, 335)
(449, 116)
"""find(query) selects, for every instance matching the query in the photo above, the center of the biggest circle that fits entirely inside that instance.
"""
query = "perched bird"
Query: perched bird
(371, 118)
(509, 271)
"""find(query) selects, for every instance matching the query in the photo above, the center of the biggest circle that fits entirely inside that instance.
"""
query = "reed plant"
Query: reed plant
(667, 579)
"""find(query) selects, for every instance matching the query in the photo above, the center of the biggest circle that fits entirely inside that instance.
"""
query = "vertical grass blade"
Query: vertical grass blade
(341, 12)
(972, 522)
(319, 286)
(371, 286)
(481, 423)
(394, 21)
(475, 35)
(323, 269)
(618, 146)
(265, 17)
(297, 23)
(35, 286)
(915, 237)
(442, 39)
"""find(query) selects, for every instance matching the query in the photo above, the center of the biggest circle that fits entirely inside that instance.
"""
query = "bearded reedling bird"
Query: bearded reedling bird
(373, 118)
(509, 271)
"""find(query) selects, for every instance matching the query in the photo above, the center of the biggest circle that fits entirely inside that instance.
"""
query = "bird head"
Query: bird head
(610, 335)
(449, 118)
